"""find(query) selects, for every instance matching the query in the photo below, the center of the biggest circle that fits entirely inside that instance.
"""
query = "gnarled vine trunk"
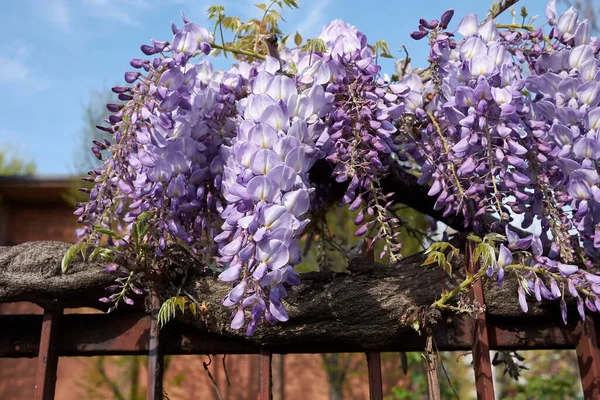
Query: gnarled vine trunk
(370, 306)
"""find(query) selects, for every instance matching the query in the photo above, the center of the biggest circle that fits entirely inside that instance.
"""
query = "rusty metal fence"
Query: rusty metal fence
(139, 334)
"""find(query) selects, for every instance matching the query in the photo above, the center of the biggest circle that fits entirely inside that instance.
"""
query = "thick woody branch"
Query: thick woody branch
(370, 306)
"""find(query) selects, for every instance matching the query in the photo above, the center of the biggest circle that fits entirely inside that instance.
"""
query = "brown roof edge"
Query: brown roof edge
(41, 189)
(36, 180)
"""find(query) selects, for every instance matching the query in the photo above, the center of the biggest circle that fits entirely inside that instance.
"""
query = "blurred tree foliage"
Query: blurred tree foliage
(14, 165)
(550, 375)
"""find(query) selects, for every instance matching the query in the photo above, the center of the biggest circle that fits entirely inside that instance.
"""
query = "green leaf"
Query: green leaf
(261, 6)
(180, 302)
(494, 237)
(430, 260)
(315, 45)
(448, 268)
(70, 255)
(386, 55)
(168, 309)
(416, 326)
(144, 217)
(96, 253)
(474, 238)
(298, 39)
(107, 231)
(135, 233)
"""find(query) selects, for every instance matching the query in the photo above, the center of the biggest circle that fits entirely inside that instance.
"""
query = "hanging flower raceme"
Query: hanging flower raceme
(265, 185)
(360, 138)
(167, 137)
(497, 143)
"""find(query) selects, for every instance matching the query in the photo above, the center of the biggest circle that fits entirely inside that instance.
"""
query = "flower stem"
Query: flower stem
(469, 280)
(447, 150)
(234, 50)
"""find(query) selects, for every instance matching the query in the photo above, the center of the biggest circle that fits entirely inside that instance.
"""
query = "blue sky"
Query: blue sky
(55, 53)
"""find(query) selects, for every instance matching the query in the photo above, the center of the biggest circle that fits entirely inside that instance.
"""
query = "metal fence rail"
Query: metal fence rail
(135, 334)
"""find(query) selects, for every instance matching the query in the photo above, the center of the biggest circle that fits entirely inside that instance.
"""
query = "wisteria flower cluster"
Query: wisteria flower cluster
(496, 142)
(503, 126)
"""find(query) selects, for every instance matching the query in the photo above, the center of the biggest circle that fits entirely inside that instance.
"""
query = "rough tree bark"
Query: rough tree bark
(370, 306)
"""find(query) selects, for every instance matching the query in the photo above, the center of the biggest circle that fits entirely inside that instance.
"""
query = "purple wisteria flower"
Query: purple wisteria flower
(265, 186)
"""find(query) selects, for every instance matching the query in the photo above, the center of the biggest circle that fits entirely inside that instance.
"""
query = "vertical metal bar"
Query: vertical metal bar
(373, 357)
(156, 354)
(375, 380)
(45, 381)
(482, 365)
(278, 372)
(266, 377)
(588, 358)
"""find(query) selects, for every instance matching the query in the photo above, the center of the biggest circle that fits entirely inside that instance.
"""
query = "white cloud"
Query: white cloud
(16, 68)
(315, 18)
(57, 13)
(117, 10)
(13, 70)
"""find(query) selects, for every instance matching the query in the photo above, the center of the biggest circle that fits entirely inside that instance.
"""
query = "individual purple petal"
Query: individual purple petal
(554, 288)
(264, 160)
(551, 13)
(536, 245)
(579, 55)
(298, 160)
(185, 42)
(233, 247)
(275, 216)
(263, 135)
(579, 190)
(522, 299)
(563, 310)
(284, 176)
(418, 35)
(488, 31)
(260, 271)
(284, 145)
(297, 202)
(580, 308)
(273, 253)
(500, 276)
(201, 34)
(277, 310)
(468, 25)
(262, 188)
(281, 87)
(171, 79)
(504, 257)
(481, 65)
(567, 269)
(236, 294)
(587, 148)
(238, 319)
(273, 116)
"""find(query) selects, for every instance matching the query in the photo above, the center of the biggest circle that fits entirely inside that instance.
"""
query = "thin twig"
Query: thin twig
(444, 370)
(113, 386)
(503, 6)
(212, 380)
(225, 370)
